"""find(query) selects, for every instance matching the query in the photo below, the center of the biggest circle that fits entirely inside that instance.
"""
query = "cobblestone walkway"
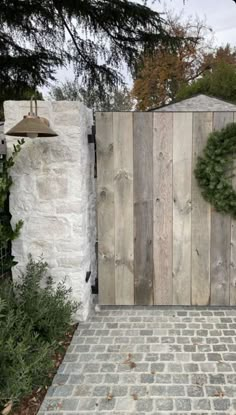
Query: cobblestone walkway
(149, 361)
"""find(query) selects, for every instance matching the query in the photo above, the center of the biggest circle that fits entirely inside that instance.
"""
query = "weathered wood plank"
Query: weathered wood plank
(124, 217)
(233, 250)
(182, 173)
(143, 208)
(162, 207)
(201, 217)
(220, 238)
(105, 208)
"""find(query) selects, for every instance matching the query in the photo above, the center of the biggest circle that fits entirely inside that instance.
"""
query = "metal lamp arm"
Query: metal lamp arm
(33, 97)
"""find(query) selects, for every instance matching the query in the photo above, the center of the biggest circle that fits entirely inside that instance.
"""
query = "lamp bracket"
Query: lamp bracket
(33, 98)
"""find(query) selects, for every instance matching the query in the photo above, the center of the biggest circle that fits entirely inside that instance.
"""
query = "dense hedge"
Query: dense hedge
(33, 321)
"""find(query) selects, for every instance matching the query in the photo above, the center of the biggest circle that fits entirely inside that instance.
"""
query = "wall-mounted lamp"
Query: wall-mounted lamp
(32, 125)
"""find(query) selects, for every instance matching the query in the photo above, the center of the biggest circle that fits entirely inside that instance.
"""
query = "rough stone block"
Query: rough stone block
(50, 188)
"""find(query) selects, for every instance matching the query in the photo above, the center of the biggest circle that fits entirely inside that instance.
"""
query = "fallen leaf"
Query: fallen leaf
(131, 364)
(135, 397)
(109, 397)
(127, 361)
(220, 394)
(7, 408)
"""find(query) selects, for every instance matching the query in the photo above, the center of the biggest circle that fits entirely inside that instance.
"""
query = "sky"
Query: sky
(220, 15)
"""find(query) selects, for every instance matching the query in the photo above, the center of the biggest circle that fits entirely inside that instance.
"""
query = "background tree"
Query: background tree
(225, 54)
(220, 83)
(219, 80)
(96, 36)
(159, 76)
(118, 100)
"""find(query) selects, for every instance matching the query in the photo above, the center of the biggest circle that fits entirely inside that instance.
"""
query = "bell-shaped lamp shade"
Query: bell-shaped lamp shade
(32, 126)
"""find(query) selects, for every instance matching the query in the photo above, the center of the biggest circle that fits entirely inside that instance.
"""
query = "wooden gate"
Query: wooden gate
(159, 242)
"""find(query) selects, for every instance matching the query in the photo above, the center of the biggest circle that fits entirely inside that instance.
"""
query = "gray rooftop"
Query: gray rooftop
(199, 103)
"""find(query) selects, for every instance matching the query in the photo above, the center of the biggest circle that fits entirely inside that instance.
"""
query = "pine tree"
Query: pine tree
(38, 36)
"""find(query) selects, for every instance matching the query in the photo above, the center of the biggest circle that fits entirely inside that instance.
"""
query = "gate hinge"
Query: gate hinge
(92, 136)
(88, 275)
(92, 140)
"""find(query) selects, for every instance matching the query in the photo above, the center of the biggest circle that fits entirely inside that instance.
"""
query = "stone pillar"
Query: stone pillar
(54, 194)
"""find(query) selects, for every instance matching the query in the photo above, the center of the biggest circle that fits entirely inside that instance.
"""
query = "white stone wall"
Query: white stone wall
(54, 194)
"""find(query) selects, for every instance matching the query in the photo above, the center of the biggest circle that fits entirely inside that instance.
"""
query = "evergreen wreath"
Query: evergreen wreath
(214, 170)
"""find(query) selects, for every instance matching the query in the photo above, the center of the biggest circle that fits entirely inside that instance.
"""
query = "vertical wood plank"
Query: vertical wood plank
(105, 208)
(220, 238)
(143, 208)
(182, 173)
(201, 217)
(233, 250)
(162, 206)
(124, 218)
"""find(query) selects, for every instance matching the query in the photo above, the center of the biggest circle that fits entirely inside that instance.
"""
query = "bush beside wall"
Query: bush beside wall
(33, 323)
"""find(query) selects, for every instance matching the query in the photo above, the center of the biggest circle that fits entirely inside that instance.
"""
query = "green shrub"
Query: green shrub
(33, 320)
(49, 309)
(25, 360)
(7, 233)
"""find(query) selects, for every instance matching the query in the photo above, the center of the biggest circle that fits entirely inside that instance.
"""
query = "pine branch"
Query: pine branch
(33, 42)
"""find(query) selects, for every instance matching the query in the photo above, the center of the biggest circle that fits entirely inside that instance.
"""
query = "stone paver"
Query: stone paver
(149, 360)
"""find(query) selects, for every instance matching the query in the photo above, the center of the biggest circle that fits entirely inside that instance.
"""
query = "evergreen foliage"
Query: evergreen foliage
(96, 36)
(214, 170)
(7, 233)
(33, 322)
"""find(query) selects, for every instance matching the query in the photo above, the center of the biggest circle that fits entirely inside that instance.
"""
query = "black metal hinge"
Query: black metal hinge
(95, 286)
(92, 136)
(92, 140)
(88, 275)
(3, 146)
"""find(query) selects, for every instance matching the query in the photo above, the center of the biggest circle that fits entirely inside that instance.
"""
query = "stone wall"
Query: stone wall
(54, 194)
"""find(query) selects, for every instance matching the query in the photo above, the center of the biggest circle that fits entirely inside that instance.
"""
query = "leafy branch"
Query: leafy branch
(5, 178)
(7, 233)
